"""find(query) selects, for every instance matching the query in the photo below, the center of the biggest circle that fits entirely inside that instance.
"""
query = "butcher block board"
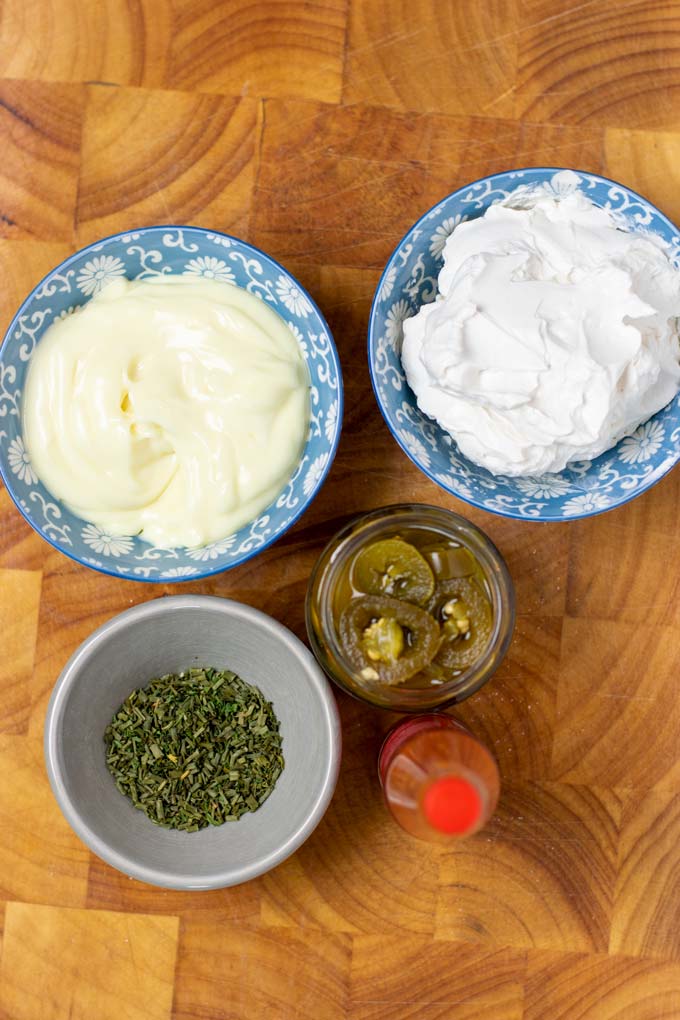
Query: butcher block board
(320, 131)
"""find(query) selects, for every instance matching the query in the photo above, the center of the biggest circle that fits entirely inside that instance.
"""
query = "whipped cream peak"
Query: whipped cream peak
(554, 333)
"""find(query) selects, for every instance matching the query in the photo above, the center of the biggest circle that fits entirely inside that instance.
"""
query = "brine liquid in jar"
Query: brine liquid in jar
(413, 609)
(439, 782)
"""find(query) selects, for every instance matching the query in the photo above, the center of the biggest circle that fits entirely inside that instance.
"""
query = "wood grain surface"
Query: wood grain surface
(320, 131)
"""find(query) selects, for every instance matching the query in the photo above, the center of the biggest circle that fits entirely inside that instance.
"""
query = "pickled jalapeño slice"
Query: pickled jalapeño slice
(395, 568)
(464, 613)
(386, 640)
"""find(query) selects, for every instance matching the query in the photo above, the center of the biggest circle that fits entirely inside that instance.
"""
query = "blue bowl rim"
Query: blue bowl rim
(305, 503)
(371, 329)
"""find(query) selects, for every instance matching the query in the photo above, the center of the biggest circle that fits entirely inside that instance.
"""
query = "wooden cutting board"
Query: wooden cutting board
(320, 131)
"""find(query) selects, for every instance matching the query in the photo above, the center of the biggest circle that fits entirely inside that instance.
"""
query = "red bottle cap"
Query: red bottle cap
(452, 805)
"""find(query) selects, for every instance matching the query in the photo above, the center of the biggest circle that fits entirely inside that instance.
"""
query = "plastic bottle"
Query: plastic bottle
(439, 782)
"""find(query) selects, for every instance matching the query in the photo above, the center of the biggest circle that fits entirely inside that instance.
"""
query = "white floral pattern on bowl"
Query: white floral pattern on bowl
(150, 252)
(410, 280)
(211, 268)
(644, 443)
(103, 543)
(20, 462)
(291, 295)
(96, 274)
(442, 233)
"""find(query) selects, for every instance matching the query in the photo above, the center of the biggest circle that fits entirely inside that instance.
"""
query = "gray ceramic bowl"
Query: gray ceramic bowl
(168, 635)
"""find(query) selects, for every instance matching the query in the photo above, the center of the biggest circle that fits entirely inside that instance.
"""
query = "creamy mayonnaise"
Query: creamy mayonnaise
(554, 334)
(173, 408)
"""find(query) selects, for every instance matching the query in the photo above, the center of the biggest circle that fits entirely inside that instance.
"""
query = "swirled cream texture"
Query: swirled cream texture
(554, 334)
(173, 408)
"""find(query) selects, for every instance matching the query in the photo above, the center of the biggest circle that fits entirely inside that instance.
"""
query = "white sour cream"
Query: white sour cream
(173, 408)
(554, 334)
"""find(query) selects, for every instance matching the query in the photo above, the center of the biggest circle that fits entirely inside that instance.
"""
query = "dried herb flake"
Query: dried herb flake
(193, 749)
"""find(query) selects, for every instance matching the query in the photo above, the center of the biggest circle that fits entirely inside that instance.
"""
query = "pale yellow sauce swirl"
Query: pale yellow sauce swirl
(173, 408)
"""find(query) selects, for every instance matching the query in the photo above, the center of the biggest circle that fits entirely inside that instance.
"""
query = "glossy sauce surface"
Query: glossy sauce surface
(174, 408)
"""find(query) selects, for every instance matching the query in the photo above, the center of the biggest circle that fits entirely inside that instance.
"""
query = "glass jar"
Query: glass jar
(332, 566)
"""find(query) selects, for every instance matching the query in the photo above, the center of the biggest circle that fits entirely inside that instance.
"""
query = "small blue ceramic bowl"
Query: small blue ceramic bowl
(156, 251)
(410, 280)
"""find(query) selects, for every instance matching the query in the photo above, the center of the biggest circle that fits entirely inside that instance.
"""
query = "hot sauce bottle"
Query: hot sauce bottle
(439, 782)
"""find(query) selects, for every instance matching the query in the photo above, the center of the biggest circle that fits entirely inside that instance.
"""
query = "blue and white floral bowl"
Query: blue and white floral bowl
(156, 251)
(410, 280)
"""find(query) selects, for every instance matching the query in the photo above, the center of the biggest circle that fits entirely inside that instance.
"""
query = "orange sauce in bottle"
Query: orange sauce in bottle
(439, 782)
